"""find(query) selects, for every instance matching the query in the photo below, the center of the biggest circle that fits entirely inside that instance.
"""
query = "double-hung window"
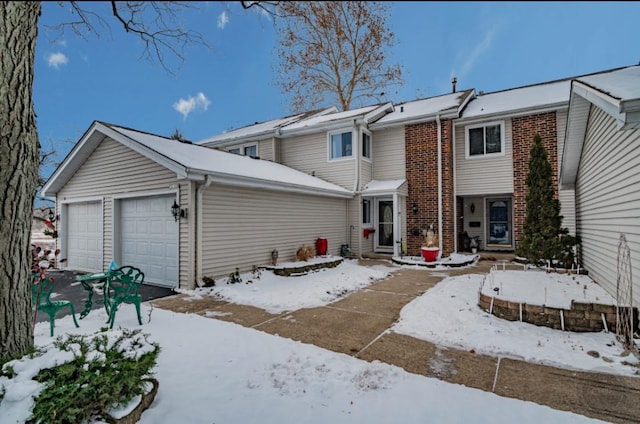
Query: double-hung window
(340, 145)
(366, 145)
(251, 150)
(485, 139)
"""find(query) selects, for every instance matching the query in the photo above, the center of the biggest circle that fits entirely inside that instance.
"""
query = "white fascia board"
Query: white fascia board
(378, 112)
(238, 181)
(577, 121)
(465, 102)
(240, 139)
(605, 102)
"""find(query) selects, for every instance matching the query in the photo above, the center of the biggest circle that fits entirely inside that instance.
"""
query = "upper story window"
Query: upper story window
(251, 150)
(340, 145)
(246, 150)
(485, 140)
(366, 145)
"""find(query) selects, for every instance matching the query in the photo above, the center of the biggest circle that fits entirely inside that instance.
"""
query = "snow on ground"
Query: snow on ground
(213, 371)
(277, 294)
(448, 314)
(538, 287)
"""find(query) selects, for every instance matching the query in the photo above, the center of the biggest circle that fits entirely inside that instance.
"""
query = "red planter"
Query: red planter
(321, 246)
(430, 254)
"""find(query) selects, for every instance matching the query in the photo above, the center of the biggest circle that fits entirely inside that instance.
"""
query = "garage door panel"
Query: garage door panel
(84, 236)
(149, 238)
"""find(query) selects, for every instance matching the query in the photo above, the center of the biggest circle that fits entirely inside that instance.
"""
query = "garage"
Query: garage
(84, 236)
(149, 238)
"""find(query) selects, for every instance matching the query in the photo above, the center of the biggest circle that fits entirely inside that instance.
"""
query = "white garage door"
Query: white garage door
(149, 238)
(84, 236)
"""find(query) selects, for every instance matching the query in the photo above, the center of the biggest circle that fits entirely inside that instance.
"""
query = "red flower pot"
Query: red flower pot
(430, 254)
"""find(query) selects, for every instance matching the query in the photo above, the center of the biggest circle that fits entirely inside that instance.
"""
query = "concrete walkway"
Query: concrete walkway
(359, 325)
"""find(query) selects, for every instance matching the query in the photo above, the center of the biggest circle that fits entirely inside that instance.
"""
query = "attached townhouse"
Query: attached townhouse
(373, 179)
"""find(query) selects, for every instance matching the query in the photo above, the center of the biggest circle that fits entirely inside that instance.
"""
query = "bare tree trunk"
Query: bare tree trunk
(19, 151)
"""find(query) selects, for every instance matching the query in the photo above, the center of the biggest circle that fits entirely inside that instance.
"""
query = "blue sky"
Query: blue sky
(487, 46)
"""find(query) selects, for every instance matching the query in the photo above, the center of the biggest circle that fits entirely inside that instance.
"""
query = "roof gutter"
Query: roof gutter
(413, 120)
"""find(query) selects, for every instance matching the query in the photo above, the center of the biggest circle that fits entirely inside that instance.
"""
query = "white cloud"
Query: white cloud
(197, 102)
(223, 19)
(56, 59)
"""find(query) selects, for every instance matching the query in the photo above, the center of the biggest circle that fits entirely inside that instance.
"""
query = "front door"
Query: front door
(499, 228)
(384, 241)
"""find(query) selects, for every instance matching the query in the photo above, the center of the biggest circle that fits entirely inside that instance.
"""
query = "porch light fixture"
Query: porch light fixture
(177, 212)
(415, 208)
(472, 208)
(52, 216)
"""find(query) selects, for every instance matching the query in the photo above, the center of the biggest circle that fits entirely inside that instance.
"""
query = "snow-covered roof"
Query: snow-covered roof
(261, 129)
(448, 104)
(517, 100)
(621, 84)
(379, 187)
(194, 162)
(327, 119)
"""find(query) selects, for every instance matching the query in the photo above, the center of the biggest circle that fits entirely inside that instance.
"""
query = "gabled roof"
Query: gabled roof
(447, 106)
(193, 162)
(617, 92)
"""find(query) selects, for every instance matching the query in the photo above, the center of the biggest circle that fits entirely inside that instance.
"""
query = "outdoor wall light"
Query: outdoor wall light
(52, 216)
(177, 212)
(473, 208)
(415, 208)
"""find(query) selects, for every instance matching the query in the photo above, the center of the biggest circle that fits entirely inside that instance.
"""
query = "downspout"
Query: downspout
(199, 232)
(355, 150)
(439, 182)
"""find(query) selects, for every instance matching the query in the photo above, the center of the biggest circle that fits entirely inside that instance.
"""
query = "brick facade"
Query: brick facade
(421, 150)
(523, 129)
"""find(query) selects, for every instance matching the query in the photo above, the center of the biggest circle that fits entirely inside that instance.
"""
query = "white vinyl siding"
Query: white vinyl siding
(366, 173)
(608, 198)
(389, 154)
(566, 197)
(309, 154)
(241, 227)
(266, 149)
(483, 175)
(115, 169)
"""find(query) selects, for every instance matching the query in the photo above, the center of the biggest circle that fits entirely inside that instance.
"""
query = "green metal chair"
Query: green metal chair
(124, 286)
(41, 290)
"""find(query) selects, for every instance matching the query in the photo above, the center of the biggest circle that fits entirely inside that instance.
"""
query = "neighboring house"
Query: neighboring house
(602, 163)
(373, 178)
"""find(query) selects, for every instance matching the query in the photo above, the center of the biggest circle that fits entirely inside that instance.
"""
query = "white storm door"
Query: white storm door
(149, 238)
(84, 236)
(384, 224)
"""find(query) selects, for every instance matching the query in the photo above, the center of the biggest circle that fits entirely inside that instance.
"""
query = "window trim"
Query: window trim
(467, 140)
(370, 158)
(369, 222)
(241, 147)
(341, 158)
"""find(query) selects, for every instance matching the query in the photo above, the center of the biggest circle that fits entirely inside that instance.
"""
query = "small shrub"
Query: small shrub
(101, 371)
(305, 253)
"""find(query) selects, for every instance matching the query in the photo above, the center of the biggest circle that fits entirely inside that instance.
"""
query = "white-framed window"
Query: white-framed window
(251, 150)
(366, 145)
(485, 140)
(340, 144)
(245, 149)
(366, 211)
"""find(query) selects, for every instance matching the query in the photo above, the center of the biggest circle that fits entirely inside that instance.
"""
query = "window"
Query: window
(366, 145)
(235, 150)
(487, 139)
(340, 145)
(366, 211)
(251, 150)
